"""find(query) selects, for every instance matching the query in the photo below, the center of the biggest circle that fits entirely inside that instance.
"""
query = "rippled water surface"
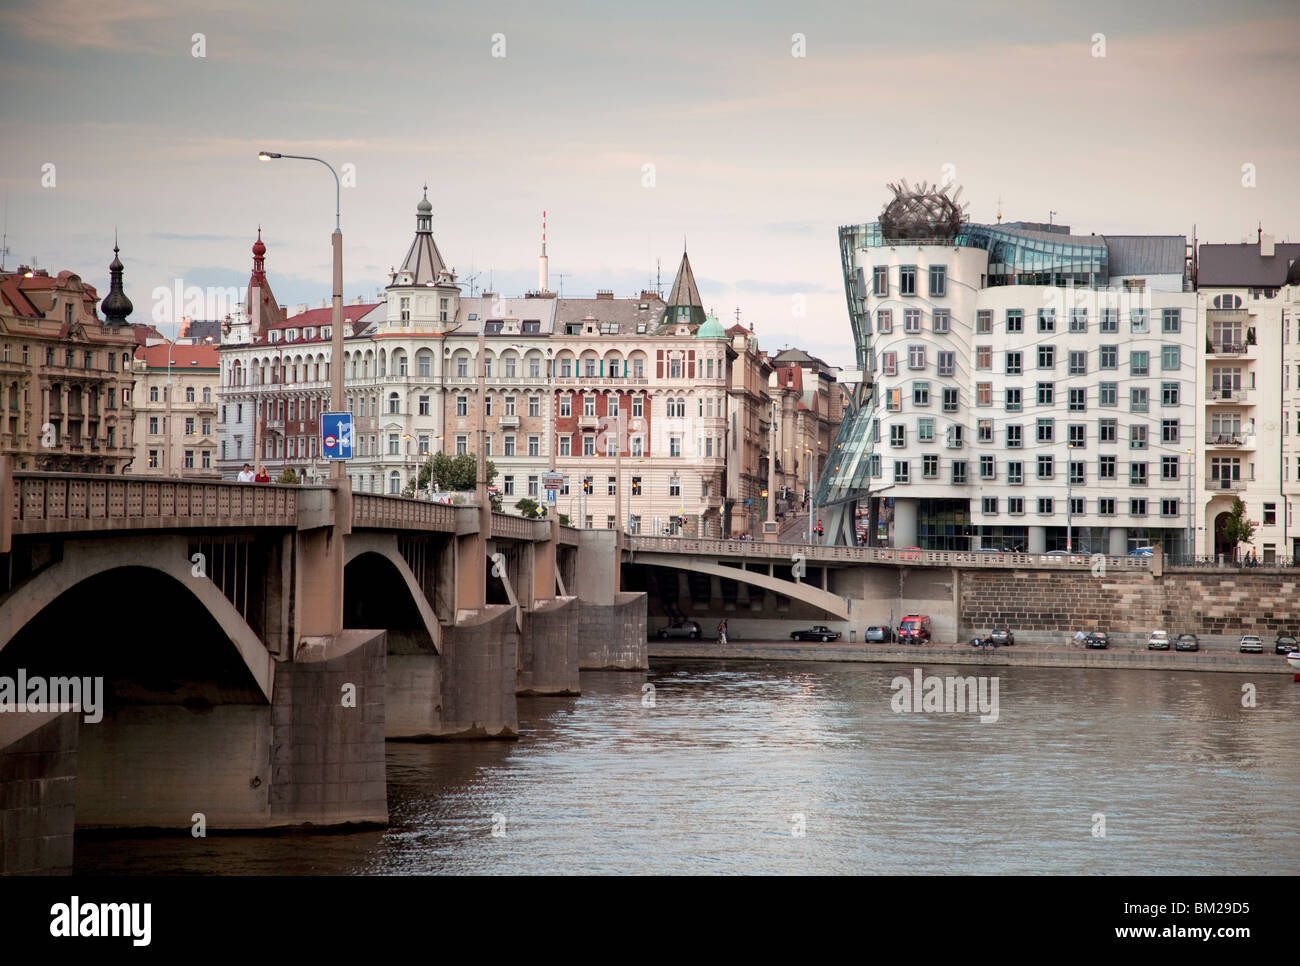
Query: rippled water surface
(711, 778)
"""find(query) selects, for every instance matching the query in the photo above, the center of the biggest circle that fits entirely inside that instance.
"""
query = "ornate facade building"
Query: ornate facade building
(65, 374)
(175, 410)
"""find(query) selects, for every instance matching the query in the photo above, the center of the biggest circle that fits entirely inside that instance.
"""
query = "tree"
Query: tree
(453, 472)
(564, 519)
(531, 509)
(288, 476)
(1237, 528)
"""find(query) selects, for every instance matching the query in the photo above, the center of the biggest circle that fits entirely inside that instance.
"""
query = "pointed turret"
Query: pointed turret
(261, 306)
(116, 306)
(423, 291)
(684, 303)
(423, 264)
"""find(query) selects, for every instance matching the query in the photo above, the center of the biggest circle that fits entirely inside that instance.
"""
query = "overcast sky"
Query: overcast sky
(758, 155)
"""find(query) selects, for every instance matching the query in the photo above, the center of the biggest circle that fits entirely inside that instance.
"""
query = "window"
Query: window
(990, 506)
(462, 406)
(394, 404)
(894, 400)
(566, 446)
(534, 406)
(1137, 507)
(588, 445)
(566, 406)
(947, 363)
(983, 357)
(912, 321)
(1046, 430)
(638, 407)
(1137, 474)
(988, 468)
(1014, 438)
(916, 357)
(884, 321)
(1047, 320)
(1077, 506)
(508, 485)
(674, 446)
(889, 363)
(153, 425)
(1078, 362)
(983, 394)
(1078, 400)
(1106, 506)
(1171, 320)
(880, 280)
(1016, 473)
(1137, 399)
(534, 445)
(1077, 435)
(189, 459)
(1014, 366)
(1109, 320)
(153, 393)
(1270, 514)
(1169, 467)
(423, 405)
(1046, 506)
(938, 282)
(1078, 320)
(907, 280)
(1108, 357)
(1169, 431)
(984, 321)
(897, 436)
(942, 321)
(925, 429)
(930, 467)
(1016, 505)
(1138, 320)
(1138, 364)
(462, 367)
(1013, 400)
(462, 445)
(900, 471)
(1169, 507)
(1169, 357)
(509, 445)
(950, 400)
(589, 406)
(1107, 394)
(510, 406)
(189, 425)
(959, 471)
(1046, 394)
(1015, 320)
(1046, 467)
(1107, 430)
(611, 486)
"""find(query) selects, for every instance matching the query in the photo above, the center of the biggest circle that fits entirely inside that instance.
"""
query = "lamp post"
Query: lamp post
(1191, 533)
(812, 483)
(167, 418)
(1069, 502)
(336, 315)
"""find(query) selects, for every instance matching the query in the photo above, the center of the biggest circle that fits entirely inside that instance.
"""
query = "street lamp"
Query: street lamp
(336, 316)
(1069, 502)
(1191, 533)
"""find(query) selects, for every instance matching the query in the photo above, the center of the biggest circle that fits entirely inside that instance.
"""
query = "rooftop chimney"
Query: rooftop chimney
(605, 293)
(1266, 249)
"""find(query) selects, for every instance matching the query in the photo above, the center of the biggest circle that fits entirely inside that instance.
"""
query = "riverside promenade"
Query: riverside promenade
(1025, 655)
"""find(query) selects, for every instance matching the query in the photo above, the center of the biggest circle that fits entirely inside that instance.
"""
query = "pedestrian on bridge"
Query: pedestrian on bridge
(722, 631)
(246, 475)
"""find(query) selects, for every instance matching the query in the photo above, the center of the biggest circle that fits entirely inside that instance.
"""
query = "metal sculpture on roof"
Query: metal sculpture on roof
(926, 211)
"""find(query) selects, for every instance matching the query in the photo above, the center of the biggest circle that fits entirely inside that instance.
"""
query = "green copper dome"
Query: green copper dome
(711, 329)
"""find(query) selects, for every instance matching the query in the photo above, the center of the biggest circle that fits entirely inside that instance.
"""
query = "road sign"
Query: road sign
(550, 496)
(336, 436)
(553, 481)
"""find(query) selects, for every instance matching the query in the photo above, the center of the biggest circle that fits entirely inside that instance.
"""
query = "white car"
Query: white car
(1158, 641)
(1251, 644)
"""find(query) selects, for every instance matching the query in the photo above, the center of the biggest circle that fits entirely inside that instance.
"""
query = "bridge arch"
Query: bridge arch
(384, 546)
(84, 560)
(835, 605)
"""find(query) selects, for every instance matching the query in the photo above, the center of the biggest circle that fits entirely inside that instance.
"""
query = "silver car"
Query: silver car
(688, 629)
(1251, 644)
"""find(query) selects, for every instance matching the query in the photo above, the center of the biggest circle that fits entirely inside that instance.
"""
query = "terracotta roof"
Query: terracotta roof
(182, 356)
(353, 314)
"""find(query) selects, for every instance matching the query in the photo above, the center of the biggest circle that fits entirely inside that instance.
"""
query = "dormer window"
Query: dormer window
(309, 333)
(275, 335)
(291, 335)
(325, 332)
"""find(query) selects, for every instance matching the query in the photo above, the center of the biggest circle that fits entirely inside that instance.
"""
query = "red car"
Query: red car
(915, 629)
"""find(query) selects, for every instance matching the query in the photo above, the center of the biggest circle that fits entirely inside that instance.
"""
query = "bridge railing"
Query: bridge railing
(786, 553)
(47, 503)
(374, 511)
(510, 527)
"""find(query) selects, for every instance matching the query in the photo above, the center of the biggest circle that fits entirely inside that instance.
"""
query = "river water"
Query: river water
(735, 758)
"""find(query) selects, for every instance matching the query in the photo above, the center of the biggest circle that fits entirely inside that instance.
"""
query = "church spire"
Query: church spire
(260, 304)
(684, 303)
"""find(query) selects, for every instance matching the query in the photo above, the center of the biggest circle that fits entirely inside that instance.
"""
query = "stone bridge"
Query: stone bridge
(258, 643)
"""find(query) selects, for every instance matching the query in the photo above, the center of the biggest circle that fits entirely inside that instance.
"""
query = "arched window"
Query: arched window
(394, 403)
(394, 483)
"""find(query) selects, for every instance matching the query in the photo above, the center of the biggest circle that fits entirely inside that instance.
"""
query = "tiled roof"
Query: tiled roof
(627, 313)
(1243, 265)
(182, 356)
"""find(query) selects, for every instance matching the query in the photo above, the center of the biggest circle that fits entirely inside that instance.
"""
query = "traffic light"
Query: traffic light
(586, 484)
(636, 486)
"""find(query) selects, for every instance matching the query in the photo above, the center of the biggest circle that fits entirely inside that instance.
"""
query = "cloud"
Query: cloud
(73, 24)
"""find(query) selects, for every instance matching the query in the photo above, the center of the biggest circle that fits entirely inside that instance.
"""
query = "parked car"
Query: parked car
(1251, 644)
(1096, 639)
(1158, 641)
(915, 629)
(1187, 642)
(881, 633)
(1285, 644)
(1142, 552)
(818, 633)
(681, 629)
(1001, 637)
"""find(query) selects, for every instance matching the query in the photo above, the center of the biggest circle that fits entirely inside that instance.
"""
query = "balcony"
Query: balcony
(1226, 348)
(1224, 439)
(1226, 485)
(588, 422)
(509, 421)
(275, 425)
(1231, 395)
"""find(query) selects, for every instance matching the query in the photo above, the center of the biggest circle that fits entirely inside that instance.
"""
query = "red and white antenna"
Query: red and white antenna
(542, 260)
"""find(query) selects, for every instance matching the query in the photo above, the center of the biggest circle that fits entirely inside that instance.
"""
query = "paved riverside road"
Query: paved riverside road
(1118, 655)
